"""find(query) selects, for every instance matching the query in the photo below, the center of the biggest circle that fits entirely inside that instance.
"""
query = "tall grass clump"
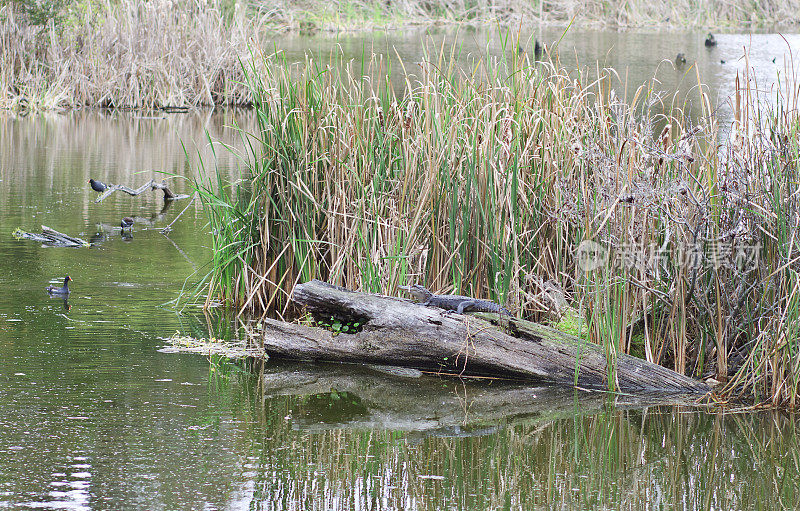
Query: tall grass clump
(490, 180)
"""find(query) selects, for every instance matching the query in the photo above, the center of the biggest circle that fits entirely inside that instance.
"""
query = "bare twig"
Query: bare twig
(168, 228)
(150, 185)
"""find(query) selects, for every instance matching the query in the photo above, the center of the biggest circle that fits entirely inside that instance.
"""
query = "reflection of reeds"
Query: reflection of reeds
(658, 458)
(484, 182)
(122, 144)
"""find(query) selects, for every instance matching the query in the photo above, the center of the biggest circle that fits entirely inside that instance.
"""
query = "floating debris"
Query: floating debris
(230, 349)
(50, 237)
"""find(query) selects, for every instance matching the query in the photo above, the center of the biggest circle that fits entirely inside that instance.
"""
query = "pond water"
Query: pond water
(94, 416)
(636, 58)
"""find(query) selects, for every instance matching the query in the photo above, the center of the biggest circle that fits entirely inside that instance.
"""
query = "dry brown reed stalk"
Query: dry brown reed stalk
(486, 181)
(126, 54)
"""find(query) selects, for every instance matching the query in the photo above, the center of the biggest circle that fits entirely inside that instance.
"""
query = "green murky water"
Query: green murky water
(94, 416)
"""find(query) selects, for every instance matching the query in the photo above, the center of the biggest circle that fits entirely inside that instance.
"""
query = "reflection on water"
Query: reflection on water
(95, 417)
(477, 450)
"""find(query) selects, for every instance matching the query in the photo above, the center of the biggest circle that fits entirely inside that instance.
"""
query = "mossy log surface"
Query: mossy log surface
(398, 332)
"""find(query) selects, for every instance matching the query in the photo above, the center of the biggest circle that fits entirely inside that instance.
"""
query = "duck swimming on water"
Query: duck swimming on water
(710, 40)
(64, 290)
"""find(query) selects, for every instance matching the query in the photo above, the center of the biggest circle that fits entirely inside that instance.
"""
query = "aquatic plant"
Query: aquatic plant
(489, 180)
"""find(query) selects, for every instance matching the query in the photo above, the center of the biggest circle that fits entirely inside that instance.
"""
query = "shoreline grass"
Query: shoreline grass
(486, 181)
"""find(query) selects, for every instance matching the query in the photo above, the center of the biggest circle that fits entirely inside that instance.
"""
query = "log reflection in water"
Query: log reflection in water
(355, 396)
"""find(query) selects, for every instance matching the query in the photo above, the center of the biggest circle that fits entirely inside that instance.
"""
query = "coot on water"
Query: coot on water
(98, 186)
(59, 290)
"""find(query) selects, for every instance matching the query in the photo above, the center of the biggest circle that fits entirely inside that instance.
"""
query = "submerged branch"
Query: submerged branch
(166, 230)
(51, 237)
(151, 185)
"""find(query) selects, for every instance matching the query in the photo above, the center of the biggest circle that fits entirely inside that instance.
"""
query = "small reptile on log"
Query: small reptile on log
(459, 304)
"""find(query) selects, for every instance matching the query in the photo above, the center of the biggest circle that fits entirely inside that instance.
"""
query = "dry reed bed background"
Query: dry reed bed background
(126, 54)
(484, 182)
(163, 53)
(351, 15)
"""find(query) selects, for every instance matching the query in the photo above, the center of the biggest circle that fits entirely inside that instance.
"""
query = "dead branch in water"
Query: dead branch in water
(166, 230)
(150, 185)
(51, 237)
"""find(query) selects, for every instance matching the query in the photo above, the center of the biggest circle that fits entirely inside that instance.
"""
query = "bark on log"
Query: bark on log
(398, 332)
(151, 185)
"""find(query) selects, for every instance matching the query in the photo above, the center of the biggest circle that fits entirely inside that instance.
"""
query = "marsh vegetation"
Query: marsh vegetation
(124, 54)
(486, 181)
(481, 179)
(58, 54)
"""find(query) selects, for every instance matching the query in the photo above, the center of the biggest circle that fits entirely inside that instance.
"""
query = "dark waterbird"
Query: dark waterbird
(64, 290)
(126, 223)
(710, 40)
(98, 186)
(680, 59)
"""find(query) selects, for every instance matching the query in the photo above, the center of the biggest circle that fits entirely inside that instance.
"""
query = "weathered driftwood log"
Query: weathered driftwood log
(398, 332)
(151, 185)
(51, 237)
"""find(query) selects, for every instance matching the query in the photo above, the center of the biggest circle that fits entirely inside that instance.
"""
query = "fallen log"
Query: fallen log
(398, 332)
(50, 237)
(150, 185)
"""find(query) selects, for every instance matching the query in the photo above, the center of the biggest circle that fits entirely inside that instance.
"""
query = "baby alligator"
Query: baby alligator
(457, 303)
